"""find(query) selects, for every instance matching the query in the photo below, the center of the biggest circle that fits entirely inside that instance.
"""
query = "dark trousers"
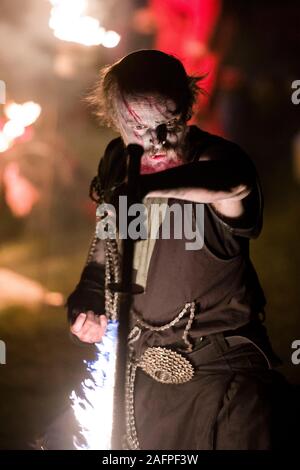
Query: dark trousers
(225, 406)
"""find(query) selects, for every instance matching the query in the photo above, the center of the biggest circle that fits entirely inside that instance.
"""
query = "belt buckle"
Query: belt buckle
(166, 366)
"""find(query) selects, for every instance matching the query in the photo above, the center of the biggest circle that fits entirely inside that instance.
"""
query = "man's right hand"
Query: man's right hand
(89, 327)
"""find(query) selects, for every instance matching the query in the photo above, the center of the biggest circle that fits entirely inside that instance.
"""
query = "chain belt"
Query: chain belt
(163, 365)
(166, 366)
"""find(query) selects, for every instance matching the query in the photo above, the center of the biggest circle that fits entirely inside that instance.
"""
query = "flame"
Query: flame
(13, 129)
(111, 39)
(68, 22)
(24, 114)
(20, 194)
(19, 117)
(4, 142)
(93, 406)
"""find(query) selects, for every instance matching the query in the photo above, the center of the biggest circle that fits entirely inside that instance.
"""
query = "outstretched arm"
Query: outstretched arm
(223, 182)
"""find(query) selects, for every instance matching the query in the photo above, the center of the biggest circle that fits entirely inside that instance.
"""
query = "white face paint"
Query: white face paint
(138, 118)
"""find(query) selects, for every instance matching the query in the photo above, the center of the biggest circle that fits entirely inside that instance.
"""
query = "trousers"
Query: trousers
(226, 405)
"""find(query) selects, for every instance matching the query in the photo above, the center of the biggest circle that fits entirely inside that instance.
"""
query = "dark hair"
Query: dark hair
(143, 72)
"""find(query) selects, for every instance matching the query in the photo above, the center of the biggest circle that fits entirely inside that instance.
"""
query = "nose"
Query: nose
(159, 135)
(161, 132)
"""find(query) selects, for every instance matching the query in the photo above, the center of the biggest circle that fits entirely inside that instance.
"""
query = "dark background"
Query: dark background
(50, 243)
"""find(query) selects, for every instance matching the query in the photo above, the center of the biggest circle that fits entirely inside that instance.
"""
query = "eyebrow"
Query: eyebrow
(132, 121)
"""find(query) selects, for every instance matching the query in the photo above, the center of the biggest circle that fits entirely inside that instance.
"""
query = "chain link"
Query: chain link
(189, 307)
(112, 275)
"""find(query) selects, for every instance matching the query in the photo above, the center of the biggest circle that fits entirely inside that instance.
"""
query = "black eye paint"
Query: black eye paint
(161, 132)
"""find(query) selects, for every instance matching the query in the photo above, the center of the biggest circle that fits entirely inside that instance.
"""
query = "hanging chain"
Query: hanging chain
(112, 270)
(131, 441)
(189, 307)
(112, 275)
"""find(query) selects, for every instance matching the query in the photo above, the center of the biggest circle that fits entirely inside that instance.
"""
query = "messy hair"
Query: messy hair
(144, 72)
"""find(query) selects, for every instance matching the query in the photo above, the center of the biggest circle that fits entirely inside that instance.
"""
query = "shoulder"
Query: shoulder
(111, 169)
(112, 164)
(206, 146)
(114, 149)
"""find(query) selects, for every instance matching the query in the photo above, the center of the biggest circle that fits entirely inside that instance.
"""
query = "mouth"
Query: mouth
(158, 156)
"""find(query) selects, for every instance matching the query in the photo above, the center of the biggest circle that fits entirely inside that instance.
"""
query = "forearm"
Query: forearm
(205, 181)
(202, 195)
(89, 293)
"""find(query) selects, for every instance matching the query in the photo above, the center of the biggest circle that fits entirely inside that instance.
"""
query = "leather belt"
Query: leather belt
(170, 367)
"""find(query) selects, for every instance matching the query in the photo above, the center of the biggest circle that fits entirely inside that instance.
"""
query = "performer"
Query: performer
(201, 362)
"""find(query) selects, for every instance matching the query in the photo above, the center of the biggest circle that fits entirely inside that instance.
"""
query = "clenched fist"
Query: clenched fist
(89, 327)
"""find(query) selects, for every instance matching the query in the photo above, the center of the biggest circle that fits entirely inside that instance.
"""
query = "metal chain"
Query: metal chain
(166, 325)
(189, 306)
(131, 434)
(188, 327)
(112, 271)
(131, 438)
(92, 247)
(112, 275)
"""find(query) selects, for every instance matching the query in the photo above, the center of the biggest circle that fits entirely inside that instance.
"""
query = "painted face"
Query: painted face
(151, 121)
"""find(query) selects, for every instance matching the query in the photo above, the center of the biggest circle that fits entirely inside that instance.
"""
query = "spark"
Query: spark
(93, 404)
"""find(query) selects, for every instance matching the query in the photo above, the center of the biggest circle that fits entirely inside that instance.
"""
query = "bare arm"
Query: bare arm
(228, 203)
(222, 183)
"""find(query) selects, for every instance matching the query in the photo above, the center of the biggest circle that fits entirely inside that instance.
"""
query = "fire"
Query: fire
(4, 142)
(69, 23)
(16, 289)
(13, 129)
(93, 405)
(111, 39)
(19, 117)
(23, 114)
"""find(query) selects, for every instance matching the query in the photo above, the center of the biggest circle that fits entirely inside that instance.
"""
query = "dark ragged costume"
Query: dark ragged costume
(206, 305)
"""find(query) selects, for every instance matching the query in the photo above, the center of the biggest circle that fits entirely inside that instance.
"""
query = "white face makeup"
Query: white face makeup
(138, 119)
